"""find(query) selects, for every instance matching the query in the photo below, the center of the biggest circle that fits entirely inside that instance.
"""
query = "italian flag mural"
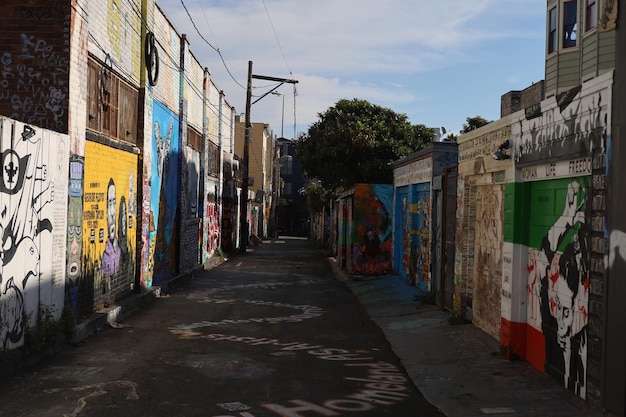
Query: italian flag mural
(551, 331)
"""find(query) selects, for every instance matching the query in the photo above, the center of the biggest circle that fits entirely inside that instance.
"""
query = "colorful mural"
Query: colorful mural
(213, 225)
(559, 156)
(33, 213)
(164, 186)
(559, 259)
(371, 231)
(108, 221)
(418, 228)
(74, 285)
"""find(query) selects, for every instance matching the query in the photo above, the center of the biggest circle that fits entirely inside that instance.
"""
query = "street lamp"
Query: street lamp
(282, 119)
(243, 209)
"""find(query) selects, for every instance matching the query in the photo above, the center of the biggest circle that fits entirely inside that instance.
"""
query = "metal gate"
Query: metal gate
(449, 222)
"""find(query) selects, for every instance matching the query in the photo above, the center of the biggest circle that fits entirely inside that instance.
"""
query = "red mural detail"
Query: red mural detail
(371, 247)
(213, 228)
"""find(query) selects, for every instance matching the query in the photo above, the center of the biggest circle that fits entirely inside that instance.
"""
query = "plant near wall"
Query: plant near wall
(48, 330)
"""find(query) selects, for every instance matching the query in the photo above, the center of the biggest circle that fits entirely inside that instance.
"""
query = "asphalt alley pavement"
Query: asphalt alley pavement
(459, 368)
(269, 333)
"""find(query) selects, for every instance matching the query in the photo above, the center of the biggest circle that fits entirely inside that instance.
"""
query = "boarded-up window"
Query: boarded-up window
(111, 104)
(213, 159)
(194, 139)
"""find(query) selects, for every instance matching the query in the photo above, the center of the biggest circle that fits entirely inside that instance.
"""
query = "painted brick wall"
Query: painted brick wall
(109, 215)
(194, 76)
(33, 202)
(115, 29)
(34, 62)
(167, 88)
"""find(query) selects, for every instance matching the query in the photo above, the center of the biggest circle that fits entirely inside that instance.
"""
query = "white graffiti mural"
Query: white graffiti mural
(33, 216)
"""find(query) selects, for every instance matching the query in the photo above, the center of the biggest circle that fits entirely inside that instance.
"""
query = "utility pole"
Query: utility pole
(243, 210)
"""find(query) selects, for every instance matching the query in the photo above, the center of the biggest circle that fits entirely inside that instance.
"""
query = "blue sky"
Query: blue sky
(438, 62)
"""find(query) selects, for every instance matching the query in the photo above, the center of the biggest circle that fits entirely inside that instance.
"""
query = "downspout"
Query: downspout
(182, 168)
(220, 180)
(203, 163)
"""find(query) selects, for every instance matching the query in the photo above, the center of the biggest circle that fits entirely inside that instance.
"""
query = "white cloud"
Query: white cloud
(344, 49)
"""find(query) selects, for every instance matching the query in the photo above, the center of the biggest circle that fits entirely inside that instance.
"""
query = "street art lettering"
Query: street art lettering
(384, 385)
(108, 264)
(308, 312)
(558, 286)
(30, 167)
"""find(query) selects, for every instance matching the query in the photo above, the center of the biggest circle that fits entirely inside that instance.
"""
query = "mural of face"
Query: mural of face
(74, 238)
(111, 209)
(564, 306)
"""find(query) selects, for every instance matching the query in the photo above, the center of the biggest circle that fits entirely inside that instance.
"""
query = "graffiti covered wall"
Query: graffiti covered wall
(109, 222)
(212, 218)
(414, 208)
(487, 247)
(77, 295)
(164, 180)
(560, 158)
(33, 207)
(371, 229)
(34, 62)
(558, 278)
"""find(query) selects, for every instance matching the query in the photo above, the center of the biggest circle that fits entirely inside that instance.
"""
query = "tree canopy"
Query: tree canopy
(356, 142)
(474, 123)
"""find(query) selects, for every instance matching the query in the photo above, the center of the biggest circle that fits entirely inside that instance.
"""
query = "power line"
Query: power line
(276, 37)
(212, 47)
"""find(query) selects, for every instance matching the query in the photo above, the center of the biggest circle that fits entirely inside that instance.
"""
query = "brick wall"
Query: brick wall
(510, 103)
(34, 62)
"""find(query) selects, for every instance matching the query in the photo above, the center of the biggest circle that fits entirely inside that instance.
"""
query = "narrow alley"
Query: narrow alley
(269, 333)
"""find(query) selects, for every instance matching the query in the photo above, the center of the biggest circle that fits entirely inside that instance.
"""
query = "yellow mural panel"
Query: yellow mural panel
(109, 217)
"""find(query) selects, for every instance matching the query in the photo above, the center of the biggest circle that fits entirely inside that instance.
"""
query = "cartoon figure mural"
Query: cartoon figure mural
(108, 265)
(75, 234)
(558, 284)
(164, 182)
(31, 165)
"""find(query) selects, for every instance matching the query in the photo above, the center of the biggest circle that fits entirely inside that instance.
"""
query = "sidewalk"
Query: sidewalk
(458, 368)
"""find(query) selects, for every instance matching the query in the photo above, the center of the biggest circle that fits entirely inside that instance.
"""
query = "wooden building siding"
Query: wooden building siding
(589, 56)
(551, 74)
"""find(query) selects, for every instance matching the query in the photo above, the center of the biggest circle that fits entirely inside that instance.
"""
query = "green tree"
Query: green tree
(356, 142)
(474, 123)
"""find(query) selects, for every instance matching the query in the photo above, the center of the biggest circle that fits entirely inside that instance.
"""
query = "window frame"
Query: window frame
(569, 6)
(552, 30)
(591, 15)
